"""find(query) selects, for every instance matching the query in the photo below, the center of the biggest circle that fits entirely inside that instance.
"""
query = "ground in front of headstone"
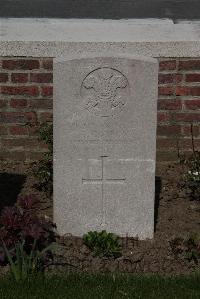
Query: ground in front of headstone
(175, 216)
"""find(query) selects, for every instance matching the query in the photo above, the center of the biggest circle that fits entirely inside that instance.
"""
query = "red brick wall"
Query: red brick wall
(178, 107)
(26, 97)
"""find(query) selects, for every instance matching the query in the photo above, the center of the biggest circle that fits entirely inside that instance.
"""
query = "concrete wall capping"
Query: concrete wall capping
(52, 38)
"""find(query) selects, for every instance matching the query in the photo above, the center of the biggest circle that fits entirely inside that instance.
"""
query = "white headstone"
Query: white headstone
(105, 144)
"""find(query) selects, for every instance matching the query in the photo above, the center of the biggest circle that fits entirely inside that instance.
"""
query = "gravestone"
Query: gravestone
(104, 144)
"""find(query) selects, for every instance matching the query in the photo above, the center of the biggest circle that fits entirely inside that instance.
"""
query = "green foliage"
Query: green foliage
(43, 171)
(103, 243)
(46, 135)
(21, 222)
(192, 175)
(193, 248)
(192, 170)
(23, 264)
(188, 248)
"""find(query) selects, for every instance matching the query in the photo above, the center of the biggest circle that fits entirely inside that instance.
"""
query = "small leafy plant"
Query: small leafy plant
(103, 243)
(21, 224)
(193, 176)
(45, 167)
(188, 248)
(46, 135)
(23, 264)
(43, 170)
(192, 171)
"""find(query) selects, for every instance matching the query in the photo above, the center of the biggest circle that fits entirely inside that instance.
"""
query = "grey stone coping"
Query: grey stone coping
(56, 37)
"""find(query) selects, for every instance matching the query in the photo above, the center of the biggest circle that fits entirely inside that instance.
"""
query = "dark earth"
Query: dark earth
(103, 9)
(175, 216)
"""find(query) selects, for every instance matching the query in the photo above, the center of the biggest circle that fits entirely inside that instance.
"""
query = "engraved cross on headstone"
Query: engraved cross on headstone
(102, 181)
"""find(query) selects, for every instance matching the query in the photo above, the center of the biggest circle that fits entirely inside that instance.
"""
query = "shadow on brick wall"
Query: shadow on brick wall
(10, 187)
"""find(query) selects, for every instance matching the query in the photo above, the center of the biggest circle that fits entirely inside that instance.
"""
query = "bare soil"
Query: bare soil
(175, 216)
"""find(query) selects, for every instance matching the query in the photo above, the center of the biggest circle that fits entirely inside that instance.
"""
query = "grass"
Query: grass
(102, 286)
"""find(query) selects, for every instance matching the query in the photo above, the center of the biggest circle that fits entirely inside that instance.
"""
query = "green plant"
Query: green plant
(46, 135)
(192, 176)
(103, 243)
(21, 223)
(43, 170)
(188, 248)
(192, 171)
(21, 263)
(193, 248)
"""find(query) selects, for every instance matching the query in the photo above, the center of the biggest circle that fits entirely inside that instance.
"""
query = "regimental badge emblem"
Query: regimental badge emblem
(105, 91)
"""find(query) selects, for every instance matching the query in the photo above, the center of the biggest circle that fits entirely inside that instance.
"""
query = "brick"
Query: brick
(47, 91)
(166, 78)
(18, 103)
(166, 90)
(3, 130)
(20, 90)
(170, 78)
(19, 78)
(31, 117)
(42, 78)
(186, 117)
(167, 65)
(17, 117)
(18, 130)
(169, 105)
(34, 156)
(186, 144)
(167, 156)
(178, 78)
(41, 104)
(3, 77)
(189, 65)
(163, 117)
(47, 64)
(168, 130)
(192, 104)
(187, 90)
(187, 130)
(165, 143)
(33, 130)
(22, 143)
(21, 64)
(3, 103)
(12, 117)
(192, 78)
(46, 116)
(43, 146)
(15, 155)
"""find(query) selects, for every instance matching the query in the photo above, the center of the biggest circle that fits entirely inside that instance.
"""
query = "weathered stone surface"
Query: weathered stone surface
(104, 146)
(55, 38)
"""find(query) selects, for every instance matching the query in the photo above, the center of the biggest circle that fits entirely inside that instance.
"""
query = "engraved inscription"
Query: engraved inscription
(105, 91)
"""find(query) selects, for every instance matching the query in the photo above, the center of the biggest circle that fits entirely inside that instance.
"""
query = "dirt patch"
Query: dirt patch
(175, 216)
